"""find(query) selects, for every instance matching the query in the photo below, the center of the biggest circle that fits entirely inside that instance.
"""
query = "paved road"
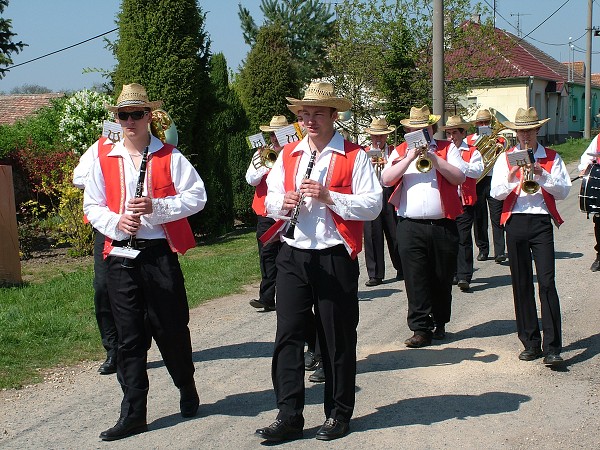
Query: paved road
(468, 392)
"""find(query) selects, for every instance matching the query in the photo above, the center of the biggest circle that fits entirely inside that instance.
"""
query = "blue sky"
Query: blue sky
(49, 25)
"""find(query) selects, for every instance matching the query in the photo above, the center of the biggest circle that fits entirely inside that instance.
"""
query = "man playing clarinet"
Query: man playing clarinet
(144, 233)
(317, 265)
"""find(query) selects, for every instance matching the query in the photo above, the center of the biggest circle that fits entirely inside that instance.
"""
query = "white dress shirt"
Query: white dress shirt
(471, 169)
(557, 183)
(190, 197)
(586, 159)
(254, 175)
(420, 195)
(315, 228)
(86, 162)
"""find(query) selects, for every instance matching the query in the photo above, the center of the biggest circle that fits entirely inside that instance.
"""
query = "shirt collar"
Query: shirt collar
(120, 150)
(335, 145)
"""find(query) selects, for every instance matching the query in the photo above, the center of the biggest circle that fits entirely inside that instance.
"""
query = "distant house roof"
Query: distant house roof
(507, 56)
(19, 106)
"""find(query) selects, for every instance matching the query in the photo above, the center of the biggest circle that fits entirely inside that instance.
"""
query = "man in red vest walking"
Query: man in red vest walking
(527, 215)
(327, 187)
(143, 188)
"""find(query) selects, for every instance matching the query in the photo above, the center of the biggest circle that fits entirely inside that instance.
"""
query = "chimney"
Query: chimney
(476, 18)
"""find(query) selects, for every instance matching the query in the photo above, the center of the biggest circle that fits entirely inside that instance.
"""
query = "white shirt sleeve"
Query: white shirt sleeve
(83, 169)
(254, 175)
(586, 159)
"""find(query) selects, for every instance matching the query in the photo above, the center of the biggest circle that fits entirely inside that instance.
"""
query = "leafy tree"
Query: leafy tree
(267, 78)
(30, 89)
(7, 46)
(163, 46)
(308, 29)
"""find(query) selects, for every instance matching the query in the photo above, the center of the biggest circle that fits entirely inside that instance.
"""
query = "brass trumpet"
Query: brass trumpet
(264, 157)
(528, 184)
(423, 163)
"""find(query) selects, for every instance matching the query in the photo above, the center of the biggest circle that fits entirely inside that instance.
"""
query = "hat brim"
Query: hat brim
(514, 126)
(152, 105)
(464, 125)
(268, 129)
(389, 130)
(295, 109)
(337, 103)
(406, 123)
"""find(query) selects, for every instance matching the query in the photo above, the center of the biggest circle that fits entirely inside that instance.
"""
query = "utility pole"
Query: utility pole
(519, 21)
(438, 59)
(588, 76)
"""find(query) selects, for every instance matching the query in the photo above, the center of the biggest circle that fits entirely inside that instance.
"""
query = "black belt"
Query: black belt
(140, 244)
(427, 221)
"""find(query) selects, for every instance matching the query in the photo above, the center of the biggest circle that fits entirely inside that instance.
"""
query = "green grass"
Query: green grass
(52, 323)
(571, 150)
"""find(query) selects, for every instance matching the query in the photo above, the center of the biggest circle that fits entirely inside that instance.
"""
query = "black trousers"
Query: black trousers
(374, 232)
(428, 249)
(104, 315)
(480, 229)
(267, 256)
(596, 220)
(464, 261)
(530, 235)
(154, 287)
(326, 280)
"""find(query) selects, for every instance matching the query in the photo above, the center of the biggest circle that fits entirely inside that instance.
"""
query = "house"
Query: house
(20, 106)
(513, 74)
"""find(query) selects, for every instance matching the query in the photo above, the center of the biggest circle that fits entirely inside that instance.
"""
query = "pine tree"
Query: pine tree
(7, 46)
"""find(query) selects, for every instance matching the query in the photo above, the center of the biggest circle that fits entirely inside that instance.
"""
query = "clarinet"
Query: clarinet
(294, 219)
(138, 193)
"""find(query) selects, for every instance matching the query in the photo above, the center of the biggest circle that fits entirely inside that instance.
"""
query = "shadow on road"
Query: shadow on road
(429, 410)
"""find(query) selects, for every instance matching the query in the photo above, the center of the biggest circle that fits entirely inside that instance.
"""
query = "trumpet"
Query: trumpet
(379, 161)
(423, 163)
(264, 157)
(529, 185)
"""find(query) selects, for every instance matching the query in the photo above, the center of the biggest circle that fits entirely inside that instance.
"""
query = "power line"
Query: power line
(545, 20)
(62, 49)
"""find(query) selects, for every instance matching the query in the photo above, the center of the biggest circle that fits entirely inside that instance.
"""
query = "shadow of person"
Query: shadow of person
(480, 284)
(433, 409)
(590, 346)
(423, 357)
(567, 255)
(483, 330)
(369, 295)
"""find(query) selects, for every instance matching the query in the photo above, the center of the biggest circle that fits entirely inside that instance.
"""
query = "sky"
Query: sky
(51, 25)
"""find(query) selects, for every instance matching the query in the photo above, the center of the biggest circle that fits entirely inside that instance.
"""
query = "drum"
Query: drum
(589, 194)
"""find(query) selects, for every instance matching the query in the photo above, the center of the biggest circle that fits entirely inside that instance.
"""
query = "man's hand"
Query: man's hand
(314, 189)
(140, 205)
(512, 175)
(290, 200)
(129, 223)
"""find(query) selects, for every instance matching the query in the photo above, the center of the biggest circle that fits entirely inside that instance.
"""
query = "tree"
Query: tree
(308, 29)
(267, 78)
(163, 46)
(7, 46)
(30, 89)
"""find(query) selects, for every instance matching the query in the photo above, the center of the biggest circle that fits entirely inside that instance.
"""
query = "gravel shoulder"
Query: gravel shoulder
(469, 391)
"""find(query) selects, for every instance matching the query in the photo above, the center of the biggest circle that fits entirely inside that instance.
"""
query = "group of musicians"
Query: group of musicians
(317, 200)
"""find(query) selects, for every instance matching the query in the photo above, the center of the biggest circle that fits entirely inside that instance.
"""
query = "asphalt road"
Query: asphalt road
(469, 391)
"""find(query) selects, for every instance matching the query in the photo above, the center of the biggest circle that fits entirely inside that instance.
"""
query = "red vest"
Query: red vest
(160, 185)
(509, 202)
(260, 193)
(339, 179)
(469, 187)
(471, 139)
(448, 192)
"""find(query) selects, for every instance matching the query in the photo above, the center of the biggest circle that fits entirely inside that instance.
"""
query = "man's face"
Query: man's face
(274, 141)
(378, 140)
(134, 120)
(457, 135)
(482, 123)
(318, 120)
(528, 138)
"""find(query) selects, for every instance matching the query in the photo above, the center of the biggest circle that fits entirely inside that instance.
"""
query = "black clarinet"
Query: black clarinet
(294, 219)
(138, 193)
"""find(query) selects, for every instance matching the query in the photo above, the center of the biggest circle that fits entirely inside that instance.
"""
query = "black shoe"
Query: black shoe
(418, 341)
(483, 256)
(310, 363)
(500, 258)
(108, 367)
(318, 376)
(553, 359)
(439, 333)
(399, 276)
(463, 285)
(530, 353)
(280, 430)
(189, 400)
(373, 282)
(125, 427)
(258, 304)
(332, 429)
(595, 265)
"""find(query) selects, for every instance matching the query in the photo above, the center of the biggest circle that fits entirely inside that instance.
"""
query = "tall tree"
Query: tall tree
(309, 27)
(7, 46)
(163, 46)
(267, 78)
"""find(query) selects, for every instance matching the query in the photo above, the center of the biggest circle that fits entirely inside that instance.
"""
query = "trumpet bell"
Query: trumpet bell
(424, 164)
(264, 157)
(530, 186)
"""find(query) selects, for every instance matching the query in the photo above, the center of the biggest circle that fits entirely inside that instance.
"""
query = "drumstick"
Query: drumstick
(576, 178)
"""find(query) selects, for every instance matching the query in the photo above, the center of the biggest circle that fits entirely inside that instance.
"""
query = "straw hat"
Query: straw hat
(525, 119)
(420, 118)
(295, 109)
(379, 126)
(134, 95)
(320, 94)
(455, 122)
(276, 123)
(483, 115)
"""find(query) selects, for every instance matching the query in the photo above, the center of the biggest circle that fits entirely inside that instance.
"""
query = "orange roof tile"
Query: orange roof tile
(19, 106)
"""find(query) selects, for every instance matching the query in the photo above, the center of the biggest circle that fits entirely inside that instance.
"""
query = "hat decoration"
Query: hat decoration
(420, 118)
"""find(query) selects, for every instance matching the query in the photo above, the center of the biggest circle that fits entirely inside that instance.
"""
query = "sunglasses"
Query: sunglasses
(135, 115)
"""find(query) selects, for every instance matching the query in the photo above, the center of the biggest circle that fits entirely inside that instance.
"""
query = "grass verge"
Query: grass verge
(572, 149)
(52, 323)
